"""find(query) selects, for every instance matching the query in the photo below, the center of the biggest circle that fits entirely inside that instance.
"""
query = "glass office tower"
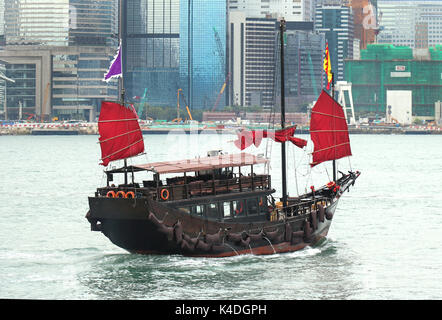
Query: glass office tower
(335, 20)
(58, 52)
(151, 63)
(203, 52)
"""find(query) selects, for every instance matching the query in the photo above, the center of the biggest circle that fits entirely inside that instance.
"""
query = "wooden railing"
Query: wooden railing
(214, 187)
(179, 190)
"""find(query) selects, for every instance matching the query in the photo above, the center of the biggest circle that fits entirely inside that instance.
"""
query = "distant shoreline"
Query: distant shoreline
(93, 130)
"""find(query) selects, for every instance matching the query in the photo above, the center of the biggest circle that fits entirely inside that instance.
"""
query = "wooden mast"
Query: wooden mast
(283, 150)
(334, 133)
(121, 78)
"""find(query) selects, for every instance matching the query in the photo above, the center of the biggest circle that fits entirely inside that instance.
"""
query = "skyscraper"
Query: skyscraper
(151, 64)
(252, 52)
(203, 62)
(416, 23)
(335, 19)
(300, 10)
(58, 52)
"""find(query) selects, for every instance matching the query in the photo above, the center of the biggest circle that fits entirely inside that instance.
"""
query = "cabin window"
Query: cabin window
(238, 208)
(198, 210)
(227, 209)
(212, 210)
(252, 206)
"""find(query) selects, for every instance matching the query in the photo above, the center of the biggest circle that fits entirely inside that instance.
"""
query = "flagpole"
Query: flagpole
(283, 151)
(333, 96)
(120, 36)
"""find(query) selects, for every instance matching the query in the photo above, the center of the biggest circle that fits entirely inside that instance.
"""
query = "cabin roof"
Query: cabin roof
(206, 163)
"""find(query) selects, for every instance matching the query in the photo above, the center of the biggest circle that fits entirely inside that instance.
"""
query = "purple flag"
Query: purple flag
(115, 67)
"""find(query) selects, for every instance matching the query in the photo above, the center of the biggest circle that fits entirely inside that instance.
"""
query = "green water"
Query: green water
(385, 241)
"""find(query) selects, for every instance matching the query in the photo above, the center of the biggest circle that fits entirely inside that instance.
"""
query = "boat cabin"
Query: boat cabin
(194, 177)
(219, 187)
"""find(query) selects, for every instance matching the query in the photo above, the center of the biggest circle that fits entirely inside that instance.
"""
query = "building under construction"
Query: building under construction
(385, 68)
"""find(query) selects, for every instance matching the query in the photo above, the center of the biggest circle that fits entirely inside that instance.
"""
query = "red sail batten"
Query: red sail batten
(120, 134)
(329, 130)
(247, 138)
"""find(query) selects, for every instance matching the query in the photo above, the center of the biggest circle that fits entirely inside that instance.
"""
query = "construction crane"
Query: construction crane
(142, 101)
(221, 92)
(178, 104)
(223, 64)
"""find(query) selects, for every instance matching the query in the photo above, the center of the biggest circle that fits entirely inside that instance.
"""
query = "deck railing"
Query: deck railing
(213, 187)
(179, 190)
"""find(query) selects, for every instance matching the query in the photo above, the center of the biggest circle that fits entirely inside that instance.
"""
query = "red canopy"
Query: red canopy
(206, 163)
(328, 130)
(120, 133)
(247, 138)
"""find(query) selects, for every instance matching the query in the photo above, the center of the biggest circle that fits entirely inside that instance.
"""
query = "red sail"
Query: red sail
(247, 138)
(328, 130)
(120, 133)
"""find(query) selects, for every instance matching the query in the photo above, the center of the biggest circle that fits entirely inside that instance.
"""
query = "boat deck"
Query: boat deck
(180, 188)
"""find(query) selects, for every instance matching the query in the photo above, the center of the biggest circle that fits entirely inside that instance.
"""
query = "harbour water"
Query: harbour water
(385, 241)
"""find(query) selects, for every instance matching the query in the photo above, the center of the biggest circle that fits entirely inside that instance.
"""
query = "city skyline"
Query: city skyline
(217, 54)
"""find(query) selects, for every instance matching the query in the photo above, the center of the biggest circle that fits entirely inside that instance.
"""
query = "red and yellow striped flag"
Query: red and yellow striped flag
(327, 66)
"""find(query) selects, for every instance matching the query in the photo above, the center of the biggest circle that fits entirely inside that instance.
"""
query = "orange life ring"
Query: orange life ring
(123, 195)
(165, 197)
(261, 201)
(110, 194)
(131, 194)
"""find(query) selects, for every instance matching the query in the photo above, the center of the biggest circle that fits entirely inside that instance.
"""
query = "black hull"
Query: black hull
(148, 227)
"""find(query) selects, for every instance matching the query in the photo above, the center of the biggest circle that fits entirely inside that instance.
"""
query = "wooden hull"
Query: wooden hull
(145, 226)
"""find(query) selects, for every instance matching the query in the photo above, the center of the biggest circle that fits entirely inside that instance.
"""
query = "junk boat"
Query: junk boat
(209, 208)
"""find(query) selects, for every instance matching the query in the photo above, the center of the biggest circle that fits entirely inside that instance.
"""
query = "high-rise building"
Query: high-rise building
(254, 56)
(417, 23)
(58, 53)
(252, 50)
(151, 63)
(203, 61)
(334, 18)
(303, 65)
(300, 10)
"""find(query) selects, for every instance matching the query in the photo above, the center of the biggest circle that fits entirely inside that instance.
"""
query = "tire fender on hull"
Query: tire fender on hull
(314, 220)
(307, 231)
(297, 237)
(321, 212)
(288, 232)
(161, 227)
(178, 232)
(328, 214)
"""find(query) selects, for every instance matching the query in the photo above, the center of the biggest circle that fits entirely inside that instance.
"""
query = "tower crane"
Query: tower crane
(223, 64)
(142, 101)
(178, 104)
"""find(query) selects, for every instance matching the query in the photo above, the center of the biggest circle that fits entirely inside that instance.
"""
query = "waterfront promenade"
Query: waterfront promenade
(90, 128)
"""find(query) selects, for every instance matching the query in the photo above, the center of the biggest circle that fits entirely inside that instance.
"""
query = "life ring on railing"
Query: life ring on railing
(131, 194)
(110, 194)
(164, 194)
(261, 201)
(123, 195)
